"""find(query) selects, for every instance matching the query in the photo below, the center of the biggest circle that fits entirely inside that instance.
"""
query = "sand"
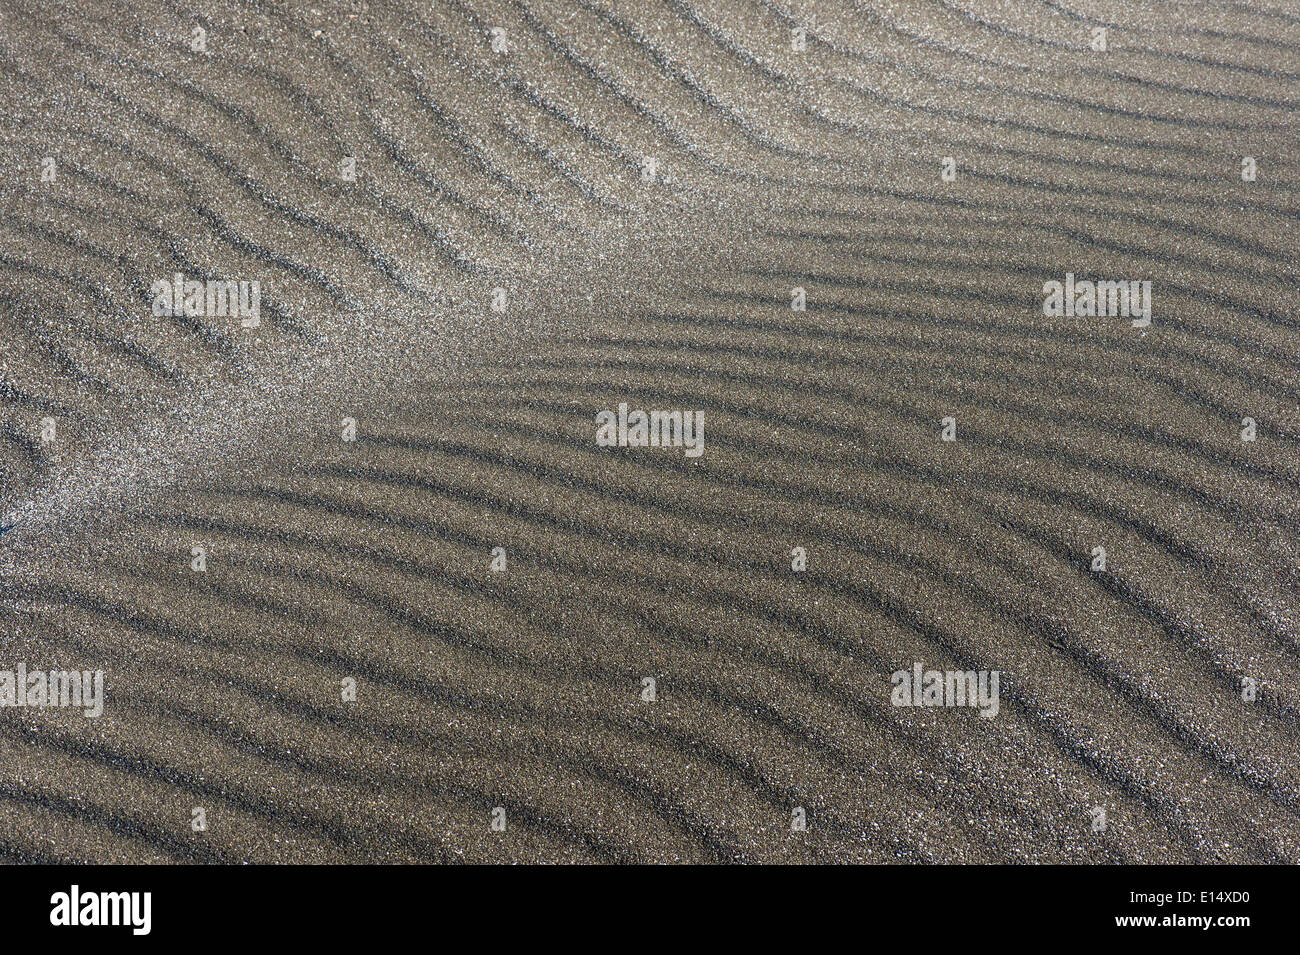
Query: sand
(673, 658)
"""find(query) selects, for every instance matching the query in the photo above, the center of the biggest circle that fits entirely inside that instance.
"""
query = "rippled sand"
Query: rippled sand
(663, 285)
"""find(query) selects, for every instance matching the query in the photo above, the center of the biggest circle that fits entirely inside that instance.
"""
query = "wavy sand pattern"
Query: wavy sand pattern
(220, 154)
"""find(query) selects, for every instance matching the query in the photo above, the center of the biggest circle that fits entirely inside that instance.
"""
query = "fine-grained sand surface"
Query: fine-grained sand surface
(620, 207)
